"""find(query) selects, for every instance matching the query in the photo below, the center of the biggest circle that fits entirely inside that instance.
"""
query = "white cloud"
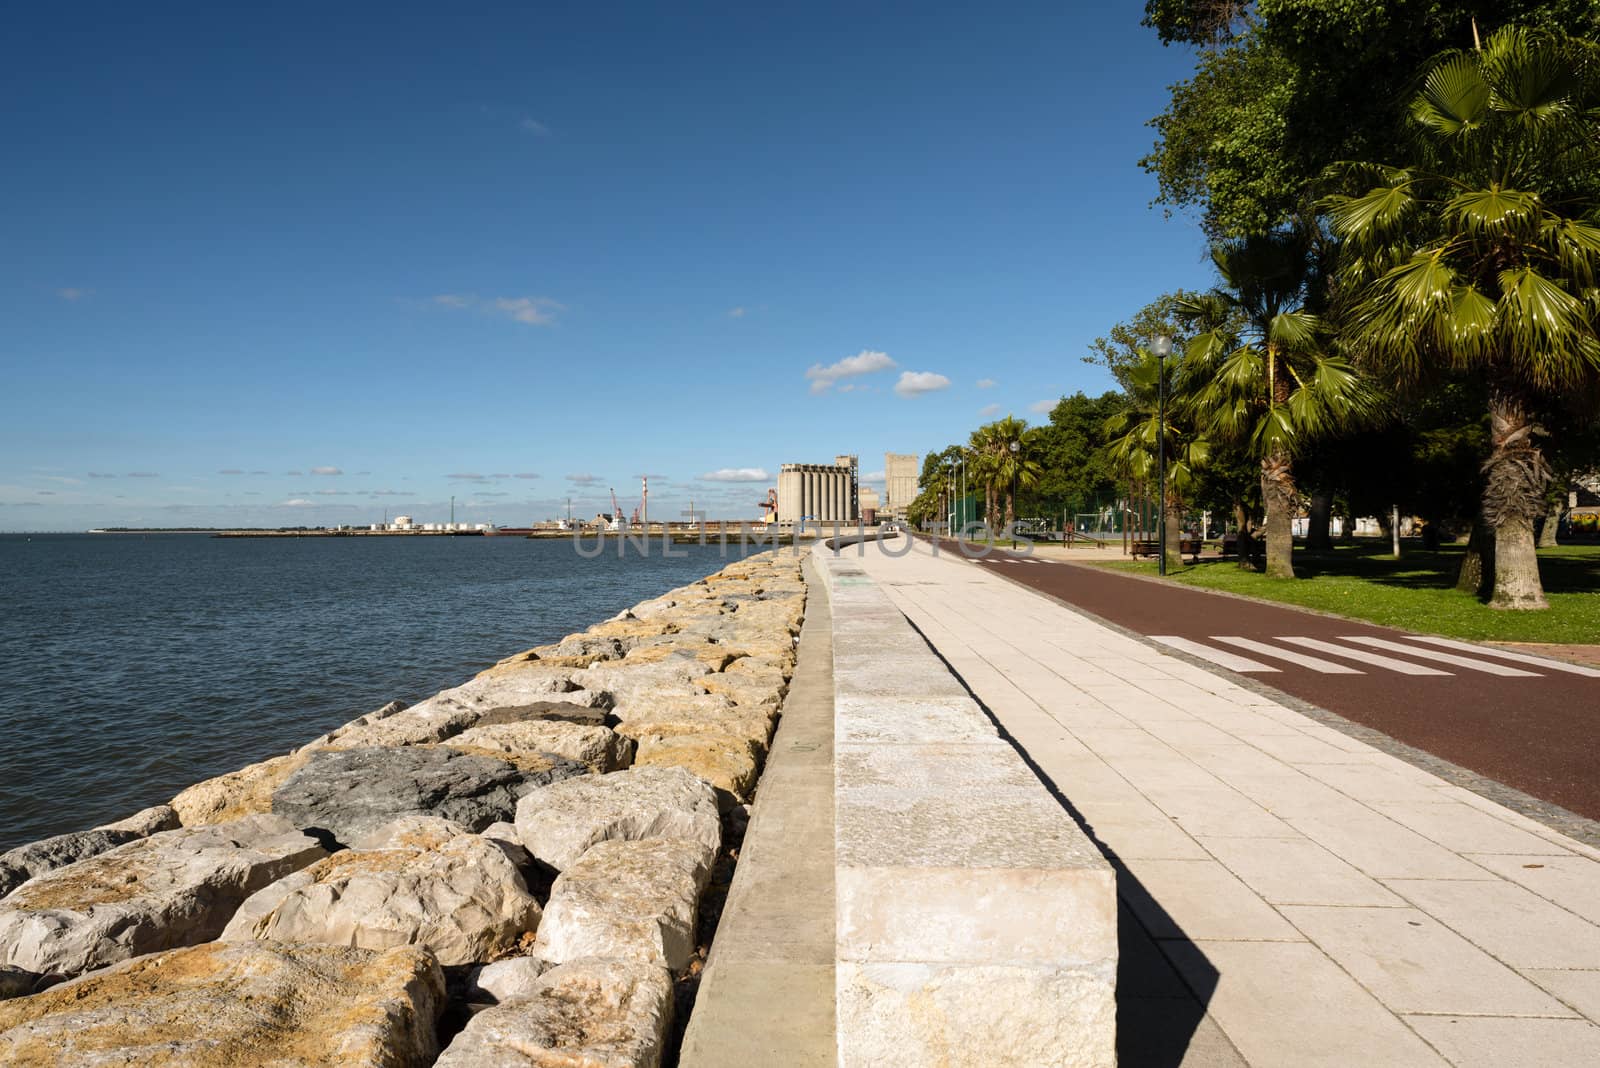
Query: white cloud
(914, 383)
(101, 474)
(326, 471)
(1042, 407)
(295, 502)
(143, 474)
(467, 476)
(874, 476)
(230, 471)
(864, 362)
(525, 474)
(989, 411)
(584, 479)
(533, 126)
(73, 293)
(532, 311)
(736, 474)
(986, 383)
(736, 313)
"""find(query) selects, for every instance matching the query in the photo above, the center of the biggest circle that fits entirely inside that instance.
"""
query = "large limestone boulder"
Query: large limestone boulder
(708, 714)
(745, 689)
(454, 710)
(238, 793)
(558, 823)
(19, 865)
(463, 898)
(249, 1005)
(627, 901)
(728, 764)
(351, 792)
(642, 683)
(175, 888)
(512, 979)
(390, 709)
(575, 651)
(597, 748)
(587, 1014)
(682, 649)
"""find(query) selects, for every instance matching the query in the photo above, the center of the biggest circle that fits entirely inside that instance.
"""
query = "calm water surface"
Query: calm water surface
(132, 666)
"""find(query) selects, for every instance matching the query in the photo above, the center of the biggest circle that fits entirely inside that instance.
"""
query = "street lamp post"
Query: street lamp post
(1015, 449)
(1162, 347)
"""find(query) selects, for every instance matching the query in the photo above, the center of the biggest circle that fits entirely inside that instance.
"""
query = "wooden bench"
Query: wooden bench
(1152, 547)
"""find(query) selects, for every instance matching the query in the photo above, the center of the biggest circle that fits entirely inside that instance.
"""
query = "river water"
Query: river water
(132, 666)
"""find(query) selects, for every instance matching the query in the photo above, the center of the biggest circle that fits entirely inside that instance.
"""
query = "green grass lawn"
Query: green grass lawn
(1416, 592)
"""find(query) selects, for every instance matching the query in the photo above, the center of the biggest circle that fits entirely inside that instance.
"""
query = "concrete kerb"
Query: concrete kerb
(976, 922)
(767, 994)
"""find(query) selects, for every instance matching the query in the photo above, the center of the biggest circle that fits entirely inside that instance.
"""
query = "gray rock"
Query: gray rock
(15, 982)
(175, 888)
(25, 862)
(593, 1013)
(542, 710)
(351, 792)
(627, 901)
(558, 823)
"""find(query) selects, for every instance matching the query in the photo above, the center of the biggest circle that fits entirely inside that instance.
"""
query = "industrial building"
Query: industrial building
(900, 471)
(819, 493)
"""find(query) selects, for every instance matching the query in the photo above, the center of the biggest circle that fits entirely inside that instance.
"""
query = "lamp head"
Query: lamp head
(1161, 345)
(1015, 448)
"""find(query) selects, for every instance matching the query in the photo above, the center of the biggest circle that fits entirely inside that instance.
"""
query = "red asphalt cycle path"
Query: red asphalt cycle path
(1538, 735)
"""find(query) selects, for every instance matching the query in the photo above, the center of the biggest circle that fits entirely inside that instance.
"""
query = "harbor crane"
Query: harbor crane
(617, 522)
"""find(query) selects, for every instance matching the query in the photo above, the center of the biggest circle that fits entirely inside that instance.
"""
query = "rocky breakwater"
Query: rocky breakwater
(507, 873)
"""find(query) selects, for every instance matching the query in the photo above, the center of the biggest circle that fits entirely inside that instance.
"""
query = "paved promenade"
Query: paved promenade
(1290, 895)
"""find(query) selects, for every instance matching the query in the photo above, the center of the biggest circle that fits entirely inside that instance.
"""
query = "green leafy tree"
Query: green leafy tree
(1138, 433)
(1483, 255)
(1282, 88)
(1271, 383)
(1123, 347)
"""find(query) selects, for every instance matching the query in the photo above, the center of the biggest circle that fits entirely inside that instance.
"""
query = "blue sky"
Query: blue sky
(402, 245)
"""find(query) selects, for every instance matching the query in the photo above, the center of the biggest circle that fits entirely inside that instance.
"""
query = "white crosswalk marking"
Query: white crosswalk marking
(1362, 656)
(1220, 657)
(1315, 663)
(1507, 654)
(1469, 663)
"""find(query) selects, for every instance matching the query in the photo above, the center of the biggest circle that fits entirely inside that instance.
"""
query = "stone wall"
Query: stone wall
(507, 872)
(975, 921)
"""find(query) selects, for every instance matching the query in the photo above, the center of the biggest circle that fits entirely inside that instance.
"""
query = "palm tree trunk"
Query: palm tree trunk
(1319, 535)
(1278, 497)
(1246, 553)
(1477, 564)
(1552, 520)
(1174, 534)
(1513, 497)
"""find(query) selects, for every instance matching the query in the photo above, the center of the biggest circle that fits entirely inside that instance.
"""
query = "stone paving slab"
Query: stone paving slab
(1322, 901)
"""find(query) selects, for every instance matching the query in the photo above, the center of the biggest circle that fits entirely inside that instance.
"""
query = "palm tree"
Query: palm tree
(1138, 428)
(998, 467)
(1271, 383)
(1485, 256)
